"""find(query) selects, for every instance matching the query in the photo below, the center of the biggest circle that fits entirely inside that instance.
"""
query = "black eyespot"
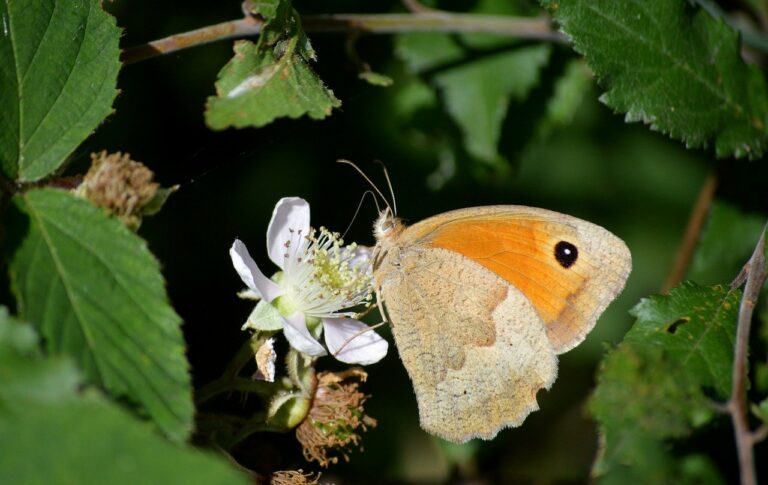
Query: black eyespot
(566, 254)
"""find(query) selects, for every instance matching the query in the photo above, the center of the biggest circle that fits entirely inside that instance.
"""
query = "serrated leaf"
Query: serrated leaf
(57, 81)
(269, 80)
(96, 294)
(90, 441)
(726, 243)
(672, 66)
(478, 98)
(657, 384)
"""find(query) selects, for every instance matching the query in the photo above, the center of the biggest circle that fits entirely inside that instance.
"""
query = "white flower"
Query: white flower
(320, 280)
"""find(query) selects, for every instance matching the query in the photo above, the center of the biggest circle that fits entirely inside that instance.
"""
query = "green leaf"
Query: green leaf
(96, 294)
(267, 9)
(672, 66)
(726, 244)
(60, 63)
(466, 70)
(158, 201)
(271, 79)
(90, 441)
(16, 338)
(657, 385)
(478, 98)
(375, 79)
(264, 317)
(570, 89)
(23, 375)
(51, 433)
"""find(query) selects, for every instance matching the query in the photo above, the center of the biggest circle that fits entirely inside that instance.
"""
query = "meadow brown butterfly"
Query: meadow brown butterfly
(481, 301)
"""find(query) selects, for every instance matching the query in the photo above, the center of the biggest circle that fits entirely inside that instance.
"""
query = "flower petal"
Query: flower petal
(251, 275)
(290, 222)
(363, 345)
(297, 333)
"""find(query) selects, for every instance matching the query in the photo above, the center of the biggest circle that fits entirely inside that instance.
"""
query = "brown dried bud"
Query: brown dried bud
(119, 185)
(294, 477)
(335, 418)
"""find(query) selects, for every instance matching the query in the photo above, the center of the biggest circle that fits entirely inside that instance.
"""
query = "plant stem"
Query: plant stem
(229, 381)
(692, 232)
(539, 28)
(737, 405)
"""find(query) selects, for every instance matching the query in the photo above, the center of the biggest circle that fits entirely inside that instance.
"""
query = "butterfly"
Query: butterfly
(482, 300)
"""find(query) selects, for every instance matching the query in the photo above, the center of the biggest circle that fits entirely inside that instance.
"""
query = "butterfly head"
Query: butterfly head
(387, 226)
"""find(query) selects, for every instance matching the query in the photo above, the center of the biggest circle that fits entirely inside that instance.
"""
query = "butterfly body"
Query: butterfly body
(481, 301)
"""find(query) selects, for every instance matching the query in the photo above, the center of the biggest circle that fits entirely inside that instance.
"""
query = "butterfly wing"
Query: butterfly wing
(473, 346)
(569, 269)
(482, 299)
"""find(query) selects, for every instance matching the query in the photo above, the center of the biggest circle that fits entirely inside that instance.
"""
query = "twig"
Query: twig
(226, 30)
(737, 405)
(539, 28)
(692, 231)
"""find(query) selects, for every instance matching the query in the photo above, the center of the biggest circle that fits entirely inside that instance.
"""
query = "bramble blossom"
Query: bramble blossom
(320, 280)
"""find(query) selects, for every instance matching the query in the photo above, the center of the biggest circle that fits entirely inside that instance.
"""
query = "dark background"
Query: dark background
(633, 181)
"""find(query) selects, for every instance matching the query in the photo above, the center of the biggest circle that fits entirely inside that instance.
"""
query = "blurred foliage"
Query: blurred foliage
(87, 439)
(469, 119)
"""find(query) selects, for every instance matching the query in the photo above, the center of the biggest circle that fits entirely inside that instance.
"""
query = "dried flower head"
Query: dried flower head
(118, 184)
(294, 477)
(335, 418)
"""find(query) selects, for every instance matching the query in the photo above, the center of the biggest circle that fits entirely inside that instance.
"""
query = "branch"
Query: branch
(737, 405)
(692, 232)
(538, 28)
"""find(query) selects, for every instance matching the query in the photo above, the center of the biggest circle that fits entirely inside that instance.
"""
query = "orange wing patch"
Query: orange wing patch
(522, 252)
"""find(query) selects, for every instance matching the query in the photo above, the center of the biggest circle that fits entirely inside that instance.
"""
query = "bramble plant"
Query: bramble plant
(123, 352)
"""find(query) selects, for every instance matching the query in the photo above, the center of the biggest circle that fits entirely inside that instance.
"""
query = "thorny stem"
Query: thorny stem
(737, 405)
(539, 28)
(692, 232)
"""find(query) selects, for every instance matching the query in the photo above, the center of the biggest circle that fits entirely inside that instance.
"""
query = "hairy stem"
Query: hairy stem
(737, 405)
(539, 28)
(692, 232)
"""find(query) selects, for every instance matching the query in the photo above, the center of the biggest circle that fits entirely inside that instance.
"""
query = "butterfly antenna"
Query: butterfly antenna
(353, 337)
(347, 162)
(389, 184)
(357, 211)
